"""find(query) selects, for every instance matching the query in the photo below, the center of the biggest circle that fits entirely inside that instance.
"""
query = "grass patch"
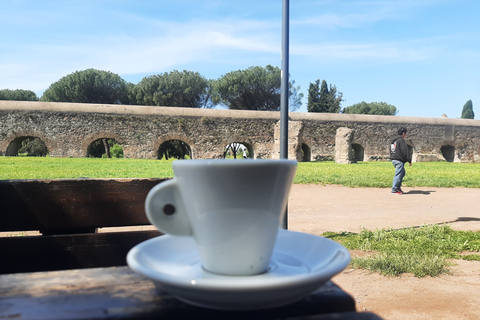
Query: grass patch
(423, 251)
(471, 257)
(380, 174)
(72, 168)
(364, 174)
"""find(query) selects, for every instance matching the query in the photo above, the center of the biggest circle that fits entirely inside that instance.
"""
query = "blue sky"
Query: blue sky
(422, 56)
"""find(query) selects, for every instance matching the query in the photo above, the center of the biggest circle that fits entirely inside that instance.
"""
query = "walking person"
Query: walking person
(399, 155)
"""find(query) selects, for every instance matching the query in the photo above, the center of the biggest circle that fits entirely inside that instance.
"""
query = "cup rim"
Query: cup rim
(234, 162)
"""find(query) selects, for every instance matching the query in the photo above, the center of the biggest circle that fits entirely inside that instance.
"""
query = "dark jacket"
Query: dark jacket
(399, 150)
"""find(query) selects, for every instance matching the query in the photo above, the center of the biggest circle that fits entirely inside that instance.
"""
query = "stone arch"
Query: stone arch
(246, 142)
(305, 153)
(87, 142)
(158, 143)
(448, 152)
(98, 149)
(358, 152)
(16, 139)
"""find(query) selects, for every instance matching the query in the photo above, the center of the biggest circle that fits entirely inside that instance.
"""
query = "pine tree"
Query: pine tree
(314, 97)
(321, 98)
(467, 112)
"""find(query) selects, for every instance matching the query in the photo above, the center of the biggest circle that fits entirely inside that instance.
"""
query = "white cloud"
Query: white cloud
(355, 14)
(173, 45)
(391, 52)
(331, 20)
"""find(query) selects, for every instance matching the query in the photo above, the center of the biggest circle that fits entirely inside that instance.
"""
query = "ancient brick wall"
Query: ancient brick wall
(429, 138)
(69, 129)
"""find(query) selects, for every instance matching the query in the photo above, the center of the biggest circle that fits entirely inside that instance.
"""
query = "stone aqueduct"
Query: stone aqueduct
(69, 129)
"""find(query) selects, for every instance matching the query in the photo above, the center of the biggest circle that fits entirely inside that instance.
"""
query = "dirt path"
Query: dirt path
(316, 209)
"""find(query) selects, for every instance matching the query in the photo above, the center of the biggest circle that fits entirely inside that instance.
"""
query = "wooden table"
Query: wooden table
(118, 292)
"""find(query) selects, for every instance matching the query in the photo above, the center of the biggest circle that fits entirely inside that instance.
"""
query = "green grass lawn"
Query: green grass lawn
(363, 174)
(72, 168)
(380, 174)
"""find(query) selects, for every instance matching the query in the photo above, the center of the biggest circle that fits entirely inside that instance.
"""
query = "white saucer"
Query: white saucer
(300, 264)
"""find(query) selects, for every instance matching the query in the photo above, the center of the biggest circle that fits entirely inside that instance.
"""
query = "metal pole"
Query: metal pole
(284, 91)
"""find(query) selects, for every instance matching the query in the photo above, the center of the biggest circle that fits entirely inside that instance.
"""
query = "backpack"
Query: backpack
(393, 147)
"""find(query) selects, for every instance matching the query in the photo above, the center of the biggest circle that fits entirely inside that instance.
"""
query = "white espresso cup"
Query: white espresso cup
(232, 208)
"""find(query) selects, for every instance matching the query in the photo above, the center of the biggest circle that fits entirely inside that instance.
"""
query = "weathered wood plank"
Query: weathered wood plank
(62, 252)
(108, 293)
(68, 212)
(62, 206)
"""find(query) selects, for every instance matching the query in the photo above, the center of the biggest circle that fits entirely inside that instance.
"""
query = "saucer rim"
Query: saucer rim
(214, 284)
(265, 292)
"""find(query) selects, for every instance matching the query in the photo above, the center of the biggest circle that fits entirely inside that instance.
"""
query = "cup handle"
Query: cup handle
(165, 209)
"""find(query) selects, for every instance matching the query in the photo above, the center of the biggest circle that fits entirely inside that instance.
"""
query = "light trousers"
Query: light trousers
(399, 174)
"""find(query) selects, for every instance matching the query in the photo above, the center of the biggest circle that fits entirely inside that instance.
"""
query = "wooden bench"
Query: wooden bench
(68, 214)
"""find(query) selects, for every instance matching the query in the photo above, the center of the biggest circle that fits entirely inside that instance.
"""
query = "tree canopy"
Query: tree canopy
(321, 98)
(294, 96)
(18, 95)
(88, 86)
(467, 112)
(33, 147)
(255, 88)
(378, 108)
(176, 149)
(177, 89)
